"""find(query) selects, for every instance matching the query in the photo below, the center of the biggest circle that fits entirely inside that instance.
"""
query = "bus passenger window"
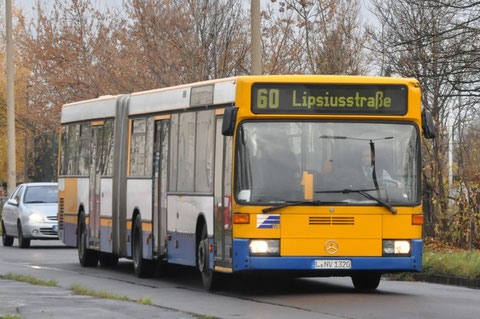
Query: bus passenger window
(186, 152)
(204, 151)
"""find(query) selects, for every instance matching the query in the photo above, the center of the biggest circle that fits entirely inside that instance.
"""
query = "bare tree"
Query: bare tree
(281, 48)
(184, 41)
(329, 34)
(428, 40)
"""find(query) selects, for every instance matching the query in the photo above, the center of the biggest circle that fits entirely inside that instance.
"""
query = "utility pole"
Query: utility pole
(12, 172)
(255, 40)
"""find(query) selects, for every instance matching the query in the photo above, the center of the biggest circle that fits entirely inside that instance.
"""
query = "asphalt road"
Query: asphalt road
(180, 295)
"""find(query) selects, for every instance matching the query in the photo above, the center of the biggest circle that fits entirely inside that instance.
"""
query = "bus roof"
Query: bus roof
(212, 92)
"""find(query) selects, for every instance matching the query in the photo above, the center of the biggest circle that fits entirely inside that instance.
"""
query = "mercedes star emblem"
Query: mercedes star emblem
(331, 247)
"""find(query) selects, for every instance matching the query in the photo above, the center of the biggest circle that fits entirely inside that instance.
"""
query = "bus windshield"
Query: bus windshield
(276, 162)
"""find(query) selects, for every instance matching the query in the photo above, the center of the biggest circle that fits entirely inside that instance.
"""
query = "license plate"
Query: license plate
(54, 227)
(333, 264)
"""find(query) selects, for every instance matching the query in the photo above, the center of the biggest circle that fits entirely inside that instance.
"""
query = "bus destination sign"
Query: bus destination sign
(350, 99)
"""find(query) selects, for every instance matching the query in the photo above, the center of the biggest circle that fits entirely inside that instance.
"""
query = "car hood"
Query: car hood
(47, 209)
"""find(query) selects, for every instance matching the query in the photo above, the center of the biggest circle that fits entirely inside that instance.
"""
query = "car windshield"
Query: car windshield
(327, 162)
(41, 194)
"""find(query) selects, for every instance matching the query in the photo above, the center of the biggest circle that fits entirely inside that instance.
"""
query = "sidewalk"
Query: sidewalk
(448, 280)
(437, 279)
(38, 302)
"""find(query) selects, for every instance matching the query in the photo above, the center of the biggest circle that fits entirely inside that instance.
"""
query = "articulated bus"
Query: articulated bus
(305, 175)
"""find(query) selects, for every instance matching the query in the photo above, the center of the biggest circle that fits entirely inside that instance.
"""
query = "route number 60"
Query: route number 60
(268, 98)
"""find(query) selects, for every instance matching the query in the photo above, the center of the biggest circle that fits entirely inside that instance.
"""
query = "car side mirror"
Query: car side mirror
(13, 202)
(428, 127)
(229, 120)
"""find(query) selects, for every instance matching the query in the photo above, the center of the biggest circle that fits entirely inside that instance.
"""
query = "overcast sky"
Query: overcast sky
(27, 6)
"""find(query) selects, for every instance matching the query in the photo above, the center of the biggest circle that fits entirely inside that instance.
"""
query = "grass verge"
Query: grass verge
(30, 280)
(80, 290)
(145, 301)
(448, 262)
(9, 316)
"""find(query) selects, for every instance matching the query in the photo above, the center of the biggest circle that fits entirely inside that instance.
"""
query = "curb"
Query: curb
(448, 280)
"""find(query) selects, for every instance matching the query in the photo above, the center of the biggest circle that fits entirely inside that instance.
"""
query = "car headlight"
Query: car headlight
(396, 247)
(35, 218)
(264, 247)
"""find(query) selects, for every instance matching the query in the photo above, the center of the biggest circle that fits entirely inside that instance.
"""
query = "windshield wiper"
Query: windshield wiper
(35, 202)
(292, 203)
(364, 193)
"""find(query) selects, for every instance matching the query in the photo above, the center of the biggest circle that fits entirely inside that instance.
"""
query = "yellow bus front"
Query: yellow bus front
(327, 175)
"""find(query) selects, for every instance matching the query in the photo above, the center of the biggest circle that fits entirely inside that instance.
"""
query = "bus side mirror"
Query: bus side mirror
(229, 120)
(428, 127)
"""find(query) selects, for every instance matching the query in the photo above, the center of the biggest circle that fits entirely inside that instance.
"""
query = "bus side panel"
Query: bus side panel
(106, 214)
(83, 199)
(73, 192)
(68, 207)
(83, 195)
(139, 197)
(183, 213)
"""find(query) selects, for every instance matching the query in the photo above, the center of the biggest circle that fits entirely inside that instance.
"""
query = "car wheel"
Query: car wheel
(143, 268)
(87, 257)
(6, 240)
(108, 260)
(210, 279)
(366, 281)
(22, 241)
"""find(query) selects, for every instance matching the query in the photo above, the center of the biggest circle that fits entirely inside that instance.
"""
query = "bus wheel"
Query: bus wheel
(108, 260)
(6, 240)
(87, 257)
(22, 241)
(209, 277)
(143, 268)
(366, 281)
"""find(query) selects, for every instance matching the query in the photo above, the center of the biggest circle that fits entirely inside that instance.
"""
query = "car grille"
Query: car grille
(48, 231)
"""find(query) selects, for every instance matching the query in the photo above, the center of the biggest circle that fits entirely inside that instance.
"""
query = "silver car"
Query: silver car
(30, 213)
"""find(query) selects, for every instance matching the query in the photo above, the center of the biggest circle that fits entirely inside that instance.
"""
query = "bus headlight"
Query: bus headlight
(402, 247)
(396, 247)
(264, 247)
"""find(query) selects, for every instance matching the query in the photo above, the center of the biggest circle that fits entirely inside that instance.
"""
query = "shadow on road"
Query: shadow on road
(244, 286)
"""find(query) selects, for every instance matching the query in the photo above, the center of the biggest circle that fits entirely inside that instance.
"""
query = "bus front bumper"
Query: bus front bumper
(242, 261)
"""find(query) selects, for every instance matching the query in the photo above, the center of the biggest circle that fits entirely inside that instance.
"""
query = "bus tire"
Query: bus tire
(143, 268)
(210, 279)
(87, 257)
(22, 241)
(108, 260)
(366, 282)
(7, 241)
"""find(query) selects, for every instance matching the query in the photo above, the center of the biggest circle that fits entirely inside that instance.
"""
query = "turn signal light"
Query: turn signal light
(417, 219)
(240, 218)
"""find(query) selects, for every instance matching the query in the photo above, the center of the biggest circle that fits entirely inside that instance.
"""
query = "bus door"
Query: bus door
(223, 198)
(160, 169)
(94, 186)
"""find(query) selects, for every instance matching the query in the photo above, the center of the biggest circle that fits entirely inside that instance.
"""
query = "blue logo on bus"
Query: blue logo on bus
(268, 221)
